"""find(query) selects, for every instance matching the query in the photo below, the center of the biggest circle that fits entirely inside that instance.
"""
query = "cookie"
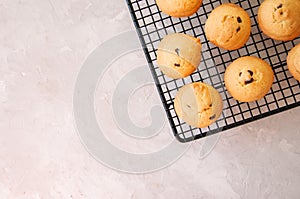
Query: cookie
(228, 26)
(179, 55)
(293, 62)
(179, 8)
(280, 19)
(198, 104)
(248, 78)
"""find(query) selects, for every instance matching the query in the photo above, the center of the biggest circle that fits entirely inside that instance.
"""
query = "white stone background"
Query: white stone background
(43, 44)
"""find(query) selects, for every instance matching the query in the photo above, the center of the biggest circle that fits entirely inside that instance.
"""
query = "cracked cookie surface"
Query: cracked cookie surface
(198, 104)
(228, 26)
(248, 79)
(179, 8)
(280, 19)
(179, 55)
(293, 62)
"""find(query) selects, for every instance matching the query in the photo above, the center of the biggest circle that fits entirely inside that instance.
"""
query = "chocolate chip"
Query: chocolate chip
(212, 117)
(280, 6)
(188, 106)
(177, 51)
(240, 74)
(249, 81)
(238, 29)
(239, 20)
(250, 72)
(210, 105)
(177, 65)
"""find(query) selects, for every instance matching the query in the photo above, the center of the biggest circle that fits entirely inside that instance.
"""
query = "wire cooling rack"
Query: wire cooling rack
(152, 25)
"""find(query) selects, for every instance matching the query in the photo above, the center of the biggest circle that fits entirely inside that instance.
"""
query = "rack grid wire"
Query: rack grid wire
(152, 25)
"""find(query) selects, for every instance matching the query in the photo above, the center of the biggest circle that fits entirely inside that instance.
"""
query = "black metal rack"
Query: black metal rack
(152, 25)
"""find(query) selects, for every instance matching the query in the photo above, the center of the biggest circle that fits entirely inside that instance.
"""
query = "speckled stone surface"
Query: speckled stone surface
(43, 46)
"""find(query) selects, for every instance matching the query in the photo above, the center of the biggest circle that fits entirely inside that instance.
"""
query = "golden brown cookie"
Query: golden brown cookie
(179, 55)
(248, 79)
(280, 19)
(228, 26)
(179, 8)
(198, 104)
(293, 62)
